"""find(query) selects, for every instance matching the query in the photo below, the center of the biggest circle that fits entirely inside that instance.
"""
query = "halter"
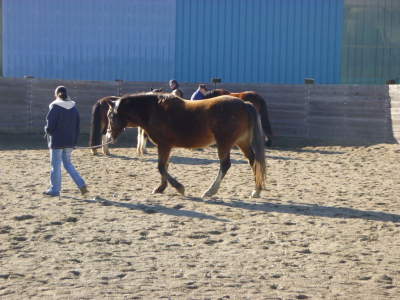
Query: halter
(116, 106)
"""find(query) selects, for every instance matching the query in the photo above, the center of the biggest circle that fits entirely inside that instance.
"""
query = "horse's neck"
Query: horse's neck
(141, 111)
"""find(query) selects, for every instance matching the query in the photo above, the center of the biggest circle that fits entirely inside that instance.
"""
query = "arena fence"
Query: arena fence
(331, 112)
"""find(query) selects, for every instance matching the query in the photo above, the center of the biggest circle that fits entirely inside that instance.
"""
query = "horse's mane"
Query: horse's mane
(216, 93)
(163, 97)
(135, 94)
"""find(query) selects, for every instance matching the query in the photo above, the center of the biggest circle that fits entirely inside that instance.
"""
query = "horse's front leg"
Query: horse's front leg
(163, 157)
(225, 164)
(105, 147)
(144, 143)
(141, 142)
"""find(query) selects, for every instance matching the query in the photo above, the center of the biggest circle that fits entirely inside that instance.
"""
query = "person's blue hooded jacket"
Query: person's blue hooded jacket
(62, 124)
(197, 95)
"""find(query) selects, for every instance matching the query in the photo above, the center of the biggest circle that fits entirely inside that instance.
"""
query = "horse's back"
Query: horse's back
(223, 113)
(221, 105)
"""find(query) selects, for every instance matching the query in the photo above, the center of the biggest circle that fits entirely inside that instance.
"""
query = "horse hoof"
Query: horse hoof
(206, 194)
(181, 190)
(158, 190)
(255, 194)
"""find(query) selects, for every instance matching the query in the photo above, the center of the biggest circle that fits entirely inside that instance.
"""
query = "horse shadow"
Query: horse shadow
(304, 209)
(307, 209)
(301, 150)
(153, 209)
(123, 157)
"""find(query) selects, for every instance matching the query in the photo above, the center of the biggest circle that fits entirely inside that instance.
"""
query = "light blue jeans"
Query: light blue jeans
(58, 156)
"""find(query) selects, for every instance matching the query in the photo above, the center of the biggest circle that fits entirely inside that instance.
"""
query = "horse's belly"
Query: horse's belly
(194, 141)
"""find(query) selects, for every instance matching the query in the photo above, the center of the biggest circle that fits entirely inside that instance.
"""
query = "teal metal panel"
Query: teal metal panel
(259, 41)
(370, 41)
(93, 40)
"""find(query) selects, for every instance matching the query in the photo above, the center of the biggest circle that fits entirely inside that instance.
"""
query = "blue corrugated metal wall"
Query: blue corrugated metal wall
(93, 40)
(257, 41)
(248, 41)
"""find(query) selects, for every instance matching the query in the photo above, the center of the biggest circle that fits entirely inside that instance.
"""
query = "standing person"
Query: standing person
(200, 93)
(174, 85)
(62, 130)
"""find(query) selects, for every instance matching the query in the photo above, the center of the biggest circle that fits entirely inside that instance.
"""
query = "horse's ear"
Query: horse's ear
(160, 89)
(151, 89)
(110, 103)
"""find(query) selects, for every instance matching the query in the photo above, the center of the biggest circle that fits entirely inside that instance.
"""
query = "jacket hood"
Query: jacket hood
(67, 104)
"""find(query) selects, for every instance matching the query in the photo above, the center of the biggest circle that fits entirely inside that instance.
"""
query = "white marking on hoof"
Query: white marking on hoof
(207, 194)
(255, 194)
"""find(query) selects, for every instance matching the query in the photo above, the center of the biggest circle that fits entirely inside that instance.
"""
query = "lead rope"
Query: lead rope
(47, 137)
(93, 147)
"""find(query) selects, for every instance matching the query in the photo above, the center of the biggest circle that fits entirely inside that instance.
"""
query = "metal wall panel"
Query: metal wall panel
(259, 41)
(83, 39)
(370, 41)
(1, 37)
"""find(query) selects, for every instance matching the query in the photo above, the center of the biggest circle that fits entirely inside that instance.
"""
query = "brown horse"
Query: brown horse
(99, 124)
(255, 99)
(172, 122)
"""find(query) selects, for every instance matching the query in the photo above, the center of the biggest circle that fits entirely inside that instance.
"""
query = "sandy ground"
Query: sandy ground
(326, 227)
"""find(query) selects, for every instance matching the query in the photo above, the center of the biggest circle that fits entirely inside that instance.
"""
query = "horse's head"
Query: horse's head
(116, 124)
(154, 91)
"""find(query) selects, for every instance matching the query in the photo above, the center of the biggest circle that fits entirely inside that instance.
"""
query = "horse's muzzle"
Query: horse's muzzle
(109, 138)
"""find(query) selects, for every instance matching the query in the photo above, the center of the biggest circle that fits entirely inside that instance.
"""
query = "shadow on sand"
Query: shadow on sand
(311, 210)
(304, 209)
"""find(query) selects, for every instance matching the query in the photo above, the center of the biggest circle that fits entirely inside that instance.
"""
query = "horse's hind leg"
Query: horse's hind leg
(163, 157)
(249, 154)
(225, 164)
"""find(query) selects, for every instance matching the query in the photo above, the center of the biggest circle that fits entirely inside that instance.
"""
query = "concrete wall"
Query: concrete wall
(330, 112)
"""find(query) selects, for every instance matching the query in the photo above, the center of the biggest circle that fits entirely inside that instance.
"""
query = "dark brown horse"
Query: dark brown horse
(172, 122)
(255, 99)
(99, 124)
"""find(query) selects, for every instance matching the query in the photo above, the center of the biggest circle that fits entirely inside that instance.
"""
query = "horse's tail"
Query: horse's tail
(257, 144)
(95, 127)
(265, 122)
(266, 125)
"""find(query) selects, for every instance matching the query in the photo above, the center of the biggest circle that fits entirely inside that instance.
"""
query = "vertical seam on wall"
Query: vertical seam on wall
(1, 38)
